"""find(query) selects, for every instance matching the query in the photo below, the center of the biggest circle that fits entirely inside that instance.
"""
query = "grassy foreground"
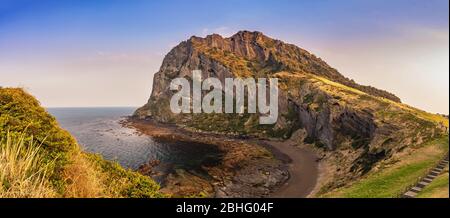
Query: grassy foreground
(22, 172)
(436, 189)
(39, 159)
(393, 178)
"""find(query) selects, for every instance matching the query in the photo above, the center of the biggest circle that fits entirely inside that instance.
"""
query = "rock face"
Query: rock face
(245, 54)
(252, 54)
(359, 125)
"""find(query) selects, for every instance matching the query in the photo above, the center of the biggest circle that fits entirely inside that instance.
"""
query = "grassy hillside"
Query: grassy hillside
(39, 159)
(393, 178)
(436, 189)
(371, 143)
(416, 140)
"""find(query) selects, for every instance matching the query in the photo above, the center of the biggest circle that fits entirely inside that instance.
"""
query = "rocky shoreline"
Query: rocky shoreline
(246, 169)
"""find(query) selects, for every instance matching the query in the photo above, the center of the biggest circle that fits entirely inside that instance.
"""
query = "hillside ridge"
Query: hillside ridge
(354, 127)
(272, 55)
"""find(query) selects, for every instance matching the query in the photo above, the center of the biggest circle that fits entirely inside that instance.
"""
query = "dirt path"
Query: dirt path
(302, 166)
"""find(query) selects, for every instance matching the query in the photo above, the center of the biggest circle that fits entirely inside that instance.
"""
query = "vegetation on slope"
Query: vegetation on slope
(22, 172)
(63, 170)
(393, 178)
(263, 56)
(355, 128)
(401, 130)
(438, 188)
(252, 54)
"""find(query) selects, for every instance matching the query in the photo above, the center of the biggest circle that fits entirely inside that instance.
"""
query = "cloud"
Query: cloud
(437, 34)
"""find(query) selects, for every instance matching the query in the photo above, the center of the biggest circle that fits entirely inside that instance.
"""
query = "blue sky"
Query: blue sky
(104, 53)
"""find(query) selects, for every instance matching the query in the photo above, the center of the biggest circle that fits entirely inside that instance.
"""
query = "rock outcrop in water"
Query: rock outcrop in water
(355, 125)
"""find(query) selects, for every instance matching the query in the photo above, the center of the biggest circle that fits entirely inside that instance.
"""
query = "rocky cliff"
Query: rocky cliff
(356, 125)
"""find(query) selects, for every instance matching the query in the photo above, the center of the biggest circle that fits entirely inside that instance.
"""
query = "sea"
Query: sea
(98, 130)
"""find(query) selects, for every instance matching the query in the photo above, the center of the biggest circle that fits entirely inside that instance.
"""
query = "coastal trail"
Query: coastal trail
(302, 166)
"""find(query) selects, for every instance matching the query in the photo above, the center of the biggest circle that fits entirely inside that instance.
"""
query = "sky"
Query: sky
(97, 53)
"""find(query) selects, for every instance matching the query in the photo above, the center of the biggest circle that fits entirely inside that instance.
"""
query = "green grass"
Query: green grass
(387, 185)
(122, 182)
(27, 128)
(437, 188)
(393, 181)
(21, 114)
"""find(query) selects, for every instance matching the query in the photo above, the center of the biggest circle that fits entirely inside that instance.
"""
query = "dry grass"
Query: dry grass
(56, 168)
(82, 178)
(22, 173)
(90, 176)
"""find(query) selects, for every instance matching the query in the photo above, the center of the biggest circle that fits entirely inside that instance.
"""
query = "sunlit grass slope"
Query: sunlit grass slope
(436, 189)
(39, 159)
(392, 179)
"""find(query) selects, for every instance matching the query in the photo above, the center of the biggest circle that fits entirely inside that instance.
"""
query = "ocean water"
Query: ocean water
(98, 131)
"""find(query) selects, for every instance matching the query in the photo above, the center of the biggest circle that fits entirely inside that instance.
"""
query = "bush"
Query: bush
(40, 159)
